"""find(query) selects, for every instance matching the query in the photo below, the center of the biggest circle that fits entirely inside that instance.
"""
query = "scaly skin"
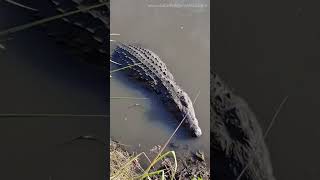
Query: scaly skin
(153, 74)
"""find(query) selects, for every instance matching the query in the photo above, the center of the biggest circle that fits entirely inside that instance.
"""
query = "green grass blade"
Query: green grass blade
(158, 172)
(128, 163)
(146, 174)
(125, 166)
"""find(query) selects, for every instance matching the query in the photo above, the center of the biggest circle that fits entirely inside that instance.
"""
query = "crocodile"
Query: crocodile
(86, 32)
(150, 71)
(237, 142)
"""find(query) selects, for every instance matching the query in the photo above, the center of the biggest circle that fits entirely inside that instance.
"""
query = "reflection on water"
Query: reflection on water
(180, 36)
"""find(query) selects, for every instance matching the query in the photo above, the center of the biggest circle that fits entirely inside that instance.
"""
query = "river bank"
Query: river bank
(189, 164)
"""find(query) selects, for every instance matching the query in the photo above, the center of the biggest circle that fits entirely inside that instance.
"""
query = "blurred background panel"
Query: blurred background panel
(267, 50)
(39, 76)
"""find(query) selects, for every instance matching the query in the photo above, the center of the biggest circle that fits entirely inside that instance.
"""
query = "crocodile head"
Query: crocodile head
(188, 112)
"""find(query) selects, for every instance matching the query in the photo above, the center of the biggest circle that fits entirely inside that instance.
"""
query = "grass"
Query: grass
(118, 159)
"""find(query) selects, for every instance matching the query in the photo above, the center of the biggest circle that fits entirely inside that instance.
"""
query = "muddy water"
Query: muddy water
(180, 36)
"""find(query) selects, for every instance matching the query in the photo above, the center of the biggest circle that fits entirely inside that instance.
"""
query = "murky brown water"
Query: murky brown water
(180, 36)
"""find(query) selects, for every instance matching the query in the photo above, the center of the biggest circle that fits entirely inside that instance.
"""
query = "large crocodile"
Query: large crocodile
(237, 142)
(87, 33)
(152, 72)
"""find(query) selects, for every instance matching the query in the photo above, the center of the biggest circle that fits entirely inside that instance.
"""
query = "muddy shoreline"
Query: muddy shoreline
(189, 164)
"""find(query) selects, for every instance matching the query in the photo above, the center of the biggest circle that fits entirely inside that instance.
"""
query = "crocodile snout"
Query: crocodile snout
(196, 131)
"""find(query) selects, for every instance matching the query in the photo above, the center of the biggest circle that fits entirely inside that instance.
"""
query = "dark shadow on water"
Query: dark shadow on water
(157, 108)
